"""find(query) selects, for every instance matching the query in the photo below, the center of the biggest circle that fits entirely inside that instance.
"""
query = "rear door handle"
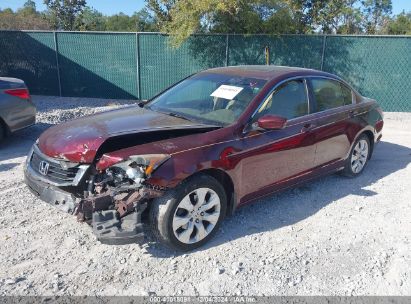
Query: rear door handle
(353, 113)
(308, 127)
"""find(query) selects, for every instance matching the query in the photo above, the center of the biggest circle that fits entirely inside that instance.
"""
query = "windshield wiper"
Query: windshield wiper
(220, 125)
(177, 115)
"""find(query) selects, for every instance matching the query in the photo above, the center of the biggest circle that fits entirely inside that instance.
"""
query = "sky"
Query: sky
(110, 7)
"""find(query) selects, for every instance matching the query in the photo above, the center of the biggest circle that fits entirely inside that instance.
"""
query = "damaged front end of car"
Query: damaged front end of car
(110, 195)
(117, 196)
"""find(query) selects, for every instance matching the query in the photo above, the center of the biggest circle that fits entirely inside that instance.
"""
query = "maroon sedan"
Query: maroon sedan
(193, 154)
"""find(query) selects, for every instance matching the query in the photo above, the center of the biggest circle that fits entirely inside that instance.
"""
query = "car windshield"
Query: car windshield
(213, 98)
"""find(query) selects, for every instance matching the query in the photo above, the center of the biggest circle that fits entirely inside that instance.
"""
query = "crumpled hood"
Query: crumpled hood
(78, 140)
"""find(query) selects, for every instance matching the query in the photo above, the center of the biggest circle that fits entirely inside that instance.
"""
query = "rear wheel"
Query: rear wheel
(188, 216)
(358, 158)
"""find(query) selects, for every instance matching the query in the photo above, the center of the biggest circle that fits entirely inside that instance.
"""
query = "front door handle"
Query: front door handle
(308, 127)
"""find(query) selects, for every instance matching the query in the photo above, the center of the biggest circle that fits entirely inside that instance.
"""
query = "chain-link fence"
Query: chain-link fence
(138, 65)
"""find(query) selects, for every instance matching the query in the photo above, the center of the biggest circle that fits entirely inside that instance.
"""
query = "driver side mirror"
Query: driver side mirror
(271, 122)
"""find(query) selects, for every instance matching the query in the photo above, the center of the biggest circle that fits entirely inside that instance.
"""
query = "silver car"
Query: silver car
(17, 111)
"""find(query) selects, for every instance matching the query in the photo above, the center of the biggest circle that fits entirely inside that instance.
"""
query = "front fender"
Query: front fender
(184, 164)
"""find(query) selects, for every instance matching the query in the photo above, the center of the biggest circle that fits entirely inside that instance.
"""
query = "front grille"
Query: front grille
(55, 172)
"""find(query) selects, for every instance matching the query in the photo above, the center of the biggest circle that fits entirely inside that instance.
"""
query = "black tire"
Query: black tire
(348, 168)
(162, 210)
(2, 132)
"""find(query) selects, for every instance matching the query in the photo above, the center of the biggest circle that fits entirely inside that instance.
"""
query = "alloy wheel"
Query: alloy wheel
(196, 215)
(359, 156)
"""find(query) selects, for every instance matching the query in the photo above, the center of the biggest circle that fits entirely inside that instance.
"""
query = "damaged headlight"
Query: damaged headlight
(134, 170)
(141, 166)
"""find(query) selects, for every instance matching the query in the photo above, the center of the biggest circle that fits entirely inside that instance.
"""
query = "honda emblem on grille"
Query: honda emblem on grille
(44, 167)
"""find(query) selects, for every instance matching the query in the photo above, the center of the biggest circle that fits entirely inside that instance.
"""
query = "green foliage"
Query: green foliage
(140, 21)
(144, 21)
(340, 16)
(376, 13)
(29, 7)
(400, 25)
(182, 18)
(63, 13)
(119, 22)
(26, 18)
(90, 20)
(161, 10)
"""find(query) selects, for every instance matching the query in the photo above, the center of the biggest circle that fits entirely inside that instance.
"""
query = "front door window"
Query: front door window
(289, 100)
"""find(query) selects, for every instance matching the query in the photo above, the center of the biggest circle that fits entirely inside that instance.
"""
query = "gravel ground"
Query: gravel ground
(333, 236)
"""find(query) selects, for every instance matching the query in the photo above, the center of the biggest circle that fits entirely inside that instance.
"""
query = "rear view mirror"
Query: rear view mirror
(271, 122)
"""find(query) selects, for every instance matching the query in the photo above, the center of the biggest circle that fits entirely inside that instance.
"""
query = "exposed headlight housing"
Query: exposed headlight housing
(126, 174)
(144, 163)
(135, 164)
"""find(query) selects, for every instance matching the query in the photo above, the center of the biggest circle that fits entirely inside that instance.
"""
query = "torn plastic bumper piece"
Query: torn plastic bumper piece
(123, 224)
(110, 229)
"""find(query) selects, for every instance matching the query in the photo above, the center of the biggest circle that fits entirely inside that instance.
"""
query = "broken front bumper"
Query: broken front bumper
(110, 226)
(63, 200)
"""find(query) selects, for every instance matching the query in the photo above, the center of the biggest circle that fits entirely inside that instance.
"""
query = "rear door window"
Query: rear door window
(330, 94)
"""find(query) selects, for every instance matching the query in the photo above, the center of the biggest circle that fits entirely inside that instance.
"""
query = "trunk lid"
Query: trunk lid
(11, 83)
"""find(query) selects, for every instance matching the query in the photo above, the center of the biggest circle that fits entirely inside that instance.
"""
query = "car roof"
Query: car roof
(268, 72)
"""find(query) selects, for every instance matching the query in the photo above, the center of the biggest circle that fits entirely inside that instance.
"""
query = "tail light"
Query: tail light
(20, 93)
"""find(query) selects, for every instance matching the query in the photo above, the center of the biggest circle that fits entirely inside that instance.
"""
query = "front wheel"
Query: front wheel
(358, 158)
(188, 216)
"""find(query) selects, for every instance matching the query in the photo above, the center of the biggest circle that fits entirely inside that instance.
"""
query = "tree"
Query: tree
(7, 19)
(376, 14)
(185, 17)
(90, 20)
(306, 13)
(161, 10)
(144, 21)
(26, 18)
(400, 25)
(119, 23)
(339, 17)
(29, 7)
(63, 13)
(141, 21)
(190, 16)
(351, 19)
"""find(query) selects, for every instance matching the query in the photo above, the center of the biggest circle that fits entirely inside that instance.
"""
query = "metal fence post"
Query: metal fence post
(226, 50)
(323, 52)
(57, 62)
(138, 67)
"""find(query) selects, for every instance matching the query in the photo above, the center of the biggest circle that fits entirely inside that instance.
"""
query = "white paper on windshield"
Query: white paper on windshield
(226, 92)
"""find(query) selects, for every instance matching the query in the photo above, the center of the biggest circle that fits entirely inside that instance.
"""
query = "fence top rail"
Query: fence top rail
(210, 34)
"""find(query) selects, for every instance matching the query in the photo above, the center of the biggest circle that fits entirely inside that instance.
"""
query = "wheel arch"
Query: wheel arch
(4, 127)
(370, 136)
(367, 131)
(226, 181)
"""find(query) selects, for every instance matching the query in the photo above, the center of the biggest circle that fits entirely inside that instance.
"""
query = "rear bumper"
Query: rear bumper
(25, 118)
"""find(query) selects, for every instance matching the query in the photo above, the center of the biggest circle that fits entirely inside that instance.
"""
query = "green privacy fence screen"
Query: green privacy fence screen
(139, 65)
